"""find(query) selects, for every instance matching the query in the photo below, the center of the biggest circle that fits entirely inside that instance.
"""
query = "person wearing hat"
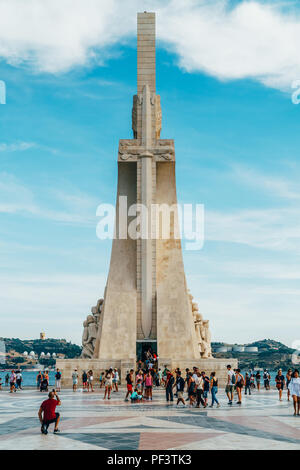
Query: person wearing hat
(115, 380)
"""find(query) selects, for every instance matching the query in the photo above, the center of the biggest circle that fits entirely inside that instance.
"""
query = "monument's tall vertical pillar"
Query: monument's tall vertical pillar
(146, 134)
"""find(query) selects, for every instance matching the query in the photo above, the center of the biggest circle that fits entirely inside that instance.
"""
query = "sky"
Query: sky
(226, 72)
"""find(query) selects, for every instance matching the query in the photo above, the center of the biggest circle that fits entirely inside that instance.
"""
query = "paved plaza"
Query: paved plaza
(89, 422)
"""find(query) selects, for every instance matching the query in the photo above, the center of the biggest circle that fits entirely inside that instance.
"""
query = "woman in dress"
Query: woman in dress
(294, 387)
(108, 384)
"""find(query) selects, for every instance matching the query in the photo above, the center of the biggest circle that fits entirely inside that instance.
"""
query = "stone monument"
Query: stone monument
(146, 300)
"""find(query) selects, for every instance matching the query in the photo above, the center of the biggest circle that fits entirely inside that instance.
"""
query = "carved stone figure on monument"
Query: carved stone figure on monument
(87, 350)
(207, 340)
(89, 336)
(96, 311)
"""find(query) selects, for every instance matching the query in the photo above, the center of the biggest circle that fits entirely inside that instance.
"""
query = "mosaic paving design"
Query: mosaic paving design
(89, 422)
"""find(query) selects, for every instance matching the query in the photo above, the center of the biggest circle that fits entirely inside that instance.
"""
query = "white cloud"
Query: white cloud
(73, 208)
(254, 39)
(57, 304)
(16, 147)
(246, 312)
(272, 229)
(278, 187)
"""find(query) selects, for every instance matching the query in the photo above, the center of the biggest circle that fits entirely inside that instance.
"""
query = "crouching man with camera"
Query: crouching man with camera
(47, 413)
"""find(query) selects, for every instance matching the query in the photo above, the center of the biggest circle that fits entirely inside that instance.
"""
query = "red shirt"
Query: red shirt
(48, 407)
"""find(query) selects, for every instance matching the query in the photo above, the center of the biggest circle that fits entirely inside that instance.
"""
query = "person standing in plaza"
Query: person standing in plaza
(149, 385)
(169, 386)
(247, 384)
(44, 383)
(6, 380)
(84, 380)
(12, 382)
(187, 377)
(46, 379)
(129, 381)
(39, 378)
(159, 373)
(116, 380)
(257, 378)
(75, 380)
(294, 388)
(47, 413)
(280, 381)
(266, 378)
(179, 384)
(164, 376)
(199, 390)
(90, 381)
(214, 390)
(191, 389)
(230, 384)
(58, 380)
(139, 378)
(19, 379)
(108, 384)
(205, 387)
(288, 379)
(239, 383)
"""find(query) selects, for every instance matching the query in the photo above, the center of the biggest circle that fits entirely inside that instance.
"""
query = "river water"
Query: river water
(29, 377)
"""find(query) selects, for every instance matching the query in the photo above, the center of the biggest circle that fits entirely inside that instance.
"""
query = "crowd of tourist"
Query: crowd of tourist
(193, 387)
(198, 385)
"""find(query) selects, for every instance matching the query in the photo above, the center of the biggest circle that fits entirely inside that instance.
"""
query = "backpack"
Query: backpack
(233, 379)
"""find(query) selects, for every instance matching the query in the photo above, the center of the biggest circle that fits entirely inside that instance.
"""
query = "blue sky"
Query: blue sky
(237, 152)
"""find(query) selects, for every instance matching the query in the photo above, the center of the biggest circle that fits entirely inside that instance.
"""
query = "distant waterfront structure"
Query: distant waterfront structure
(221, 349)
(238, 348)
(42, 335)
(251, 349)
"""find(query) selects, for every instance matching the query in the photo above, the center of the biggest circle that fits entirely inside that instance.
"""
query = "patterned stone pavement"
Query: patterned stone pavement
(89, 422)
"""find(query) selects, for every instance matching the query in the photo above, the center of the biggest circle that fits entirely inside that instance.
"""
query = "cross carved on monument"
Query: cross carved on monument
(146, 148)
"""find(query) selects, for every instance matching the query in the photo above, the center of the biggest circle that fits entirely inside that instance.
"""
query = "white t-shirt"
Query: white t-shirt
(294, 386)
(199, 382)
